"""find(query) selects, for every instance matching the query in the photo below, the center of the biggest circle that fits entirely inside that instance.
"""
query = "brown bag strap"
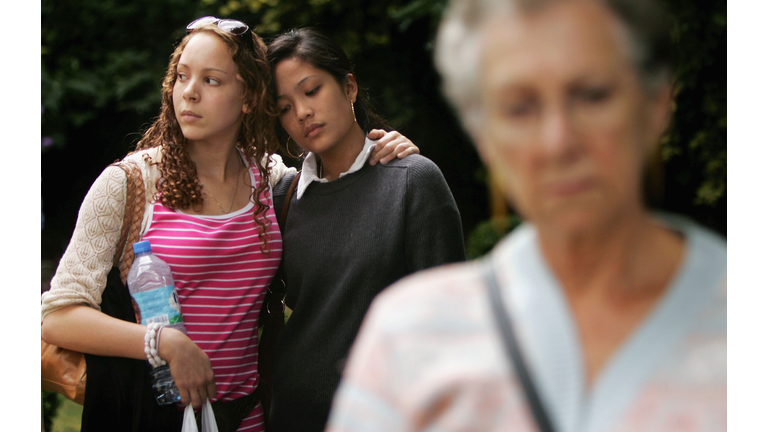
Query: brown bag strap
(135, 202)
(278, 286)
(287, 202)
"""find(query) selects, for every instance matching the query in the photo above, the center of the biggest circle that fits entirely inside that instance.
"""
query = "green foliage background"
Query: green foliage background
(103, 61)
(694, 155)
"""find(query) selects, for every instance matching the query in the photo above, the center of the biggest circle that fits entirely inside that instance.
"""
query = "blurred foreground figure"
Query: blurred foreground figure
(619, 312)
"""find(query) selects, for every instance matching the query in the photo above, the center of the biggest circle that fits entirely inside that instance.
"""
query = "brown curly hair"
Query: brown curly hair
(178, 185)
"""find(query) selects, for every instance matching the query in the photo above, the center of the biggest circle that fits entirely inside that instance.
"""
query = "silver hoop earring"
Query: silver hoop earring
(288, 150)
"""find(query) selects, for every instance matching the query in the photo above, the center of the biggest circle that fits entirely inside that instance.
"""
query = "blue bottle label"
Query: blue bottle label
(159, 305)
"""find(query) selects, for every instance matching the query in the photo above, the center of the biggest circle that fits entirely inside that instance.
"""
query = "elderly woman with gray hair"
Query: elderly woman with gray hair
(616, 315)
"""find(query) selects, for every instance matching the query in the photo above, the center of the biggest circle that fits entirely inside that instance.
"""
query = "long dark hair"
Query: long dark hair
(312, 46)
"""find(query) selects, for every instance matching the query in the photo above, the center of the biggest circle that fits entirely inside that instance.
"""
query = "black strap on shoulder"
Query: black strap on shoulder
(513, 349)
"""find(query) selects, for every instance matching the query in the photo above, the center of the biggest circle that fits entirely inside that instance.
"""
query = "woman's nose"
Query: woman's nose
(557, 132)
(190, 91)
(303, 111)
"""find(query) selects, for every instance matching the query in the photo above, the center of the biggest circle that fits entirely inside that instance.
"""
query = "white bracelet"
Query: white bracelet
(151, 343)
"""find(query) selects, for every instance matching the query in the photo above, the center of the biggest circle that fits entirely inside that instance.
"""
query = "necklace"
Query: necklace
(234, 196)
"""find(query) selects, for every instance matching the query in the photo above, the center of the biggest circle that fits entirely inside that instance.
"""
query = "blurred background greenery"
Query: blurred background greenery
(103, 61)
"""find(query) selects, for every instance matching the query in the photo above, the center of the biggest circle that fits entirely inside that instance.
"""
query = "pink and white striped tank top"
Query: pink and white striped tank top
(221, 277)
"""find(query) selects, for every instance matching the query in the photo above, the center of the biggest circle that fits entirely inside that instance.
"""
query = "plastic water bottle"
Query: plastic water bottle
(150, 283)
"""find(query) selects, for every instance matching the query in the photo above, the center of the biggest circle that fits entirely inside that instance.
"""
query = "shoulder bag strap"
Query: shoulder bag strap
(287, 202)
(135, 202)
(504, 324)
(276, 290)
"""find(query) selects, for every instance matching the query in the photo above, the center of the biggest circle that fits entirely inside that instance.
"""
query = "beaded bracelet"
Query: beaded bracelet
(151, 343)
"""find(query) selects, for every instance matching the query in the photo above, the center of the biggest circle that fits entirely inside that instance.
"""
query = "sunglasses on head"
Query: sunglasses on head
(233, 27)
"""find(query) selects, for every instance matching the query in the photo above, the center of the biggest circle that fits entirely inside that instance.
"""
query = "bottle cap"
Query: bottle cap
(142, 246)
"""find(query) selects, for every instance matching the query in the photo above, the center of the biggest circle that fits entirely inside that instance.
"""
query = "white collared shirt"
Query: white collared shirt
(309, 168)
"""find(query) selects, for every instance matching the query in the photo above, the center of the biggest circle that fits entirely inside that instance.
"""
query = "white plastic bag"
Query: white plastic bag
(189, 424)
(208, 419)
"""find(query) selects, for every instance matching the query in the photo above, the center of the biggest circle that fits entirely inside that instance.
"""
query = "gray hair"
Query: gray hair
(458, 46)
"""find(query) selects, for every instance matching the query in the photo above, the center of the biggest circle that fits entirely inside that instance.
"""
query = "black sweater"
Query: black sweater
(343, 243)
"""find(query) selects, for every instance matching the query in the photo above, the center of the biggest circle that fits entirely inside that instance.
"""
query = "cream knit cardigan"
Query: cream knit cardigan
(82, 272)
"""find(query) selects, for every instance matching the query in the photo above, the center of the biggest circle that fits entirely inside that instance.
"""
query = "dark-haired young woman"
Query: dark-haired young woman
(208, 214)
(352, 228)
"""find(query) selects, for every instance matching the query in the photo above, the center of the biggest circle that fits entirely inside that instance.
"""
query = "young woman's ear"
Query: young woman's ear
(350, 87)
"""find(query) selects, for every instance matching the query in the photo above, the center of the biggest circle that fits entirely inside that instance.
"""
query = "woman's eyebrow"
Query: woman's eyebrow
(304, 79)
(297, 85)
(206, 69)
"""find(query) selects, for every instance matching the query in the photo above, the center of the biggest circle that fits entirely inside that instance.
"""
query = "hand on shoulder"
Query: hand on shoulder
(390, 145)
